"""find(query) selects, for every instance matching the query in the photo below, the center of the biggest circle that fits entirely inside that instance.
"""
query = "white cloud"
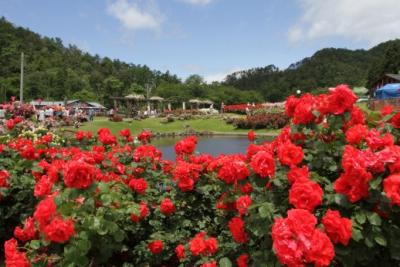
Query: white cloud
(220, 76)
(133, 17)
(197, 2)
(372, 21)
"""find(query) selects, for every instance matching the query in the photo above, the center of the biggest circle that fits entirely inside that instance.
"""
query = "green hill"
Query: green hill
(56, 71)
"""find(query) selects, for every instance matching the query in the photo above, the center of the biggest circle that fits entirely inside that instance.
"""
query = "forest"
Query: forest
(56, 71)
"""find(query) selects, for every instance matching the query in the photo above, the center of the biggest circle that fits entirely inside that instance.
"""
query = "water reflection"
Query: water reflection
(214, 145)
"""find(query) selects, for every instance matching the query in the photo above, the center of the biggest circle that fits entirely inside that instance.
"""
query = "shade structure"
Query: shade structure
(156, 98)
(390, 90)
(194, 101)
(135, 97)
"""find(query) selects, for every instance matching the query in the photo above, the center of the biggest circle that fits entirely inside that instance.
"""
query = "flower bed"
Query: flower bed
(325, 192)
(262, 121)
(241, 108)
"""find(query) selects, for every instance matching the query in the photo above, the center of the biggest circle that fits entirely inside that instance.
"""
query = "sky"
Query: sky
(211, 38)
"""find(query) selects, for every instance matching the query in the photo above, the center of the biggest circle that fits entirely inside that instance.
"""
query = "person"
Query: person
(222, 107)
(2, 113)
(41, 115)
(91, 114)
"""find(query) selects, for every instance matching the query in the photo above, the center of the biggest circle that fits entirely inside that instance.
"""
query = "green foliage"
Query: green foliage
(324, 69)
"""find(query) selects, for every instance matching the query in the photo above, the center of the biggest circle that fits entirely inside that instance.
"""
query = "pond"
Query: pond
(214, 145)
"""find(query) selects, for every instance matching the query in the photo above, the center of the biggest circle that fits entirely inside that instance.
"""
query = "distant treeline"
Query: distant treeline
(326, 68)
(54, 71)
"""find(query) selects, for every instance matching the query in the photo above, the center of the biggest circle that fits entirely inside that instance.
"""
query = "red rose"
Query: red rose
(375, 141)
(357, 117)
(43, 187)
(167, 207)
(145, 136)
(138, 185)
(156, 247)
(395, 120)
(263, 164)
(209, 264)
(180, 252)
(79, 135)
(251, 135)
(247, 188)
(386, 110)
(105, 137)
(144, 211)
(290, 105)
(306, 195)
(44, 211)
(232, 171)
(79, 174)
(59, 231)
(338, 228)
(321, 251)
(354, 184)
(341, 99)
(146, 153)
(13, 257)
(391, 187)
(186, 184)
(4, 176)
(297, 242)
(242, 203)
(125, 133)
(10, 124)
(28, 232)
(237, 228)
(356, 134)
(186, 146)
(242, 260)
(289, 154)
(186, 174)
(297, 174)
(303, 112)
(197, 245)
(211, 245)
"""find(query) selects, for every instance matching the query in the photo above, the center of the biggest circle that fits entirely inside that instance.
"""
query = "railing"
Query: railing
(376, 104)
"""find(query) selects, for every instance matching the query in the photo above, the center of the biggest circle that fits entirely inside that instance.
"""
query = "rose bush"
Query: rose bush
(325, 192)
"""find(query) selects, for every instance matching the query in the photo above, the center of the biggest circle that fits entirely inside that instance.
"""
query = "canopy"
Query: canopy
(135, 96)
(390, 90)
(156, 98)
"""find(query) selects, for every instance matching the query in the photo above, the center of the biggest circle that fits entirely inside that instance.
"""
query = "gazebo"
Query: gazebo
(136, 102)
(198, 102)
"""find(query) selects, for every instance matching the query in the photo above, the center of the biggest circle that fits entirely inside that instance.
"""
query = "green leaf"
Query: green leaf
(357, 235)
(381, 240)
(375, 183)
(35, 244)
(265, 211)
(225, 262)
(374, 219)
(360, 217)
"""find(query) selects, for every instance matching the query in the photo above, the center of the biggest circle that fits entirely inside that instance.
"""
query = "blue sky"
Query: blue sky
(208, 37)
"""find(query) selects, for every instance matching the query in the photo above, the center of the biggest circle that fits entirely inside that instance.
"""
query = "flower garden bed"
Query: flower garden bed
(325, 192)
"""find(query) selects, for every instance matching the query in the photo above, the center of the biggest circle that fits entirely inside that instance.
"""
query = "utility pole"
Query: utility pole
(21, 85)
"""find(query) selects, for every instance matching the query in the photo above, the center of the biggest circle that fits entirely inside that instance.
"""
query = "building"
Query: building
(385, 79)
(76, 103)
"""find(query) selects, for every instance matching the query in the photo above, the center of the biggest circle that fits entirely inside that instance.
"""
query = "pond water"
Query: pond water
(214, 145)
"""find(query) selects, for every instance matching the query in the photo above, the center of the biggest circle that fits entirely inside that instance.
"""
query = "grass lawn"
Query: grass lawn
(216, 125)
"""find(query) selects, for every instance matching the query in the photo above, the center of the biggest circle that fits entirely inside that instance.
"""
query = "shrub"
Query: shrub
(325, 192)
(263, 121)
